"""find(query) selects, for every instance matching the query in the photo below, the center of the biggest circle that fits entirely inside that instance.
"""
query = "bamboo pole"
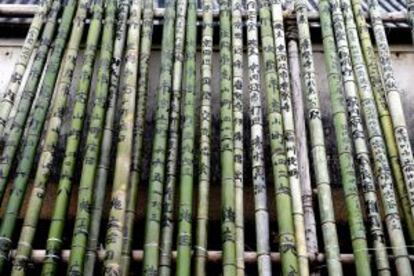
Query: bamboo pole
(144, 57)
(93, 144)
(168, 204)
(8, 99)
(287, 243)
(237, 61)
(394, 101)
(33, 132)
(264, 267)
(378, 152)
(185, 211)
(384, 115)
(228, 231)
(47, 156)
(410, 15)
(300, 132)
(116, 225)
(157, 172)
(317, 142)
(18, 124)
(200, 246)
(289, 134)
(107, 141)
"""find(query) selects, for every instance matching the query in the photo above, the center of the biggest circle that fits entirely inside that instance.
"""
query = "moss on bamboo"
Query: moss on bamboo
(317, 142)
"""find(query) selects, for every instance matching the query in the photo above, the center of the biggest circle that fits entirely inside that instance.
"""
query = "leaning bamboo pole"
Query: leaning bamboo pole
(185, 210)
(384, 115)
(48, 154)
(8, 99)
(54, 241)
(228, 231)
(33, 132)
(123, 162)
(168, 204)
(157, 172)
(287, 243)
(410, 16)
(144, 57)
(300, 132)
(200, 246)
(92, 148)
(107, 147)
(394, 101)
(264, 266)
(282, 68)
(379, 153)
(18, 123)
(317, 142)
(237, 61)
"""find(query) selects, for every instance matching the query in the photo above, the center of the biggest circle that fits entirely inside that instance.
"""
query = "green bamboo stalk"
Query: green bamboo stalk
(33, 132)
(47, 155)
(92, 148)
(18, 124)
(264, 266)
(54, 241)
(8, 99)
(379, 152)
(237, 54)
(287, 243)
(185, 210)
(410, 15)
(107, 140)
(146, 42)
(335, 63)
(394, 101)
(384, 115)
(228, 231)
(114, 234)
(200, 246)
(167, 220)
(157, 172)
(302, 141)
(317, 142)
(289, 134)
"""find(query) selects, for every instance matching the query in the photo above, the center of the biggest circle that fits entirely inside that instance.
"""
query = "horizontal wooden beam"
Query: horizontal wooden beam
(38, 256)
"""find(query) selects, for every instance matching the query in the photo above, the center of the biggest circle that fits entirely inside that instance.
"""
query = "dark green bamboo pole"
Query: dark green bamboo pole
(123, 162)
(228, 231)
(384, 115)
(33, 132)
(93, 144)
(394, 101)
(107, 140)
(287, 243)
(410, 15)
(19, 121)
(289, 134)
(337, 60)
(264, 266)
(8, 99)
(47, 155)
(237, 59)
(200, 246)
(185, 210)
(167, 220)
(157, 172)
(317, 141)
(144, 57)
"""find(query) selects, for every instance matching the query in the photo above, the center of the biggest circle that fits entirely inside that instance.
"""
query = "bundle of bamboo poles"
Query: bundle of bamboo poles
(271, 147)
